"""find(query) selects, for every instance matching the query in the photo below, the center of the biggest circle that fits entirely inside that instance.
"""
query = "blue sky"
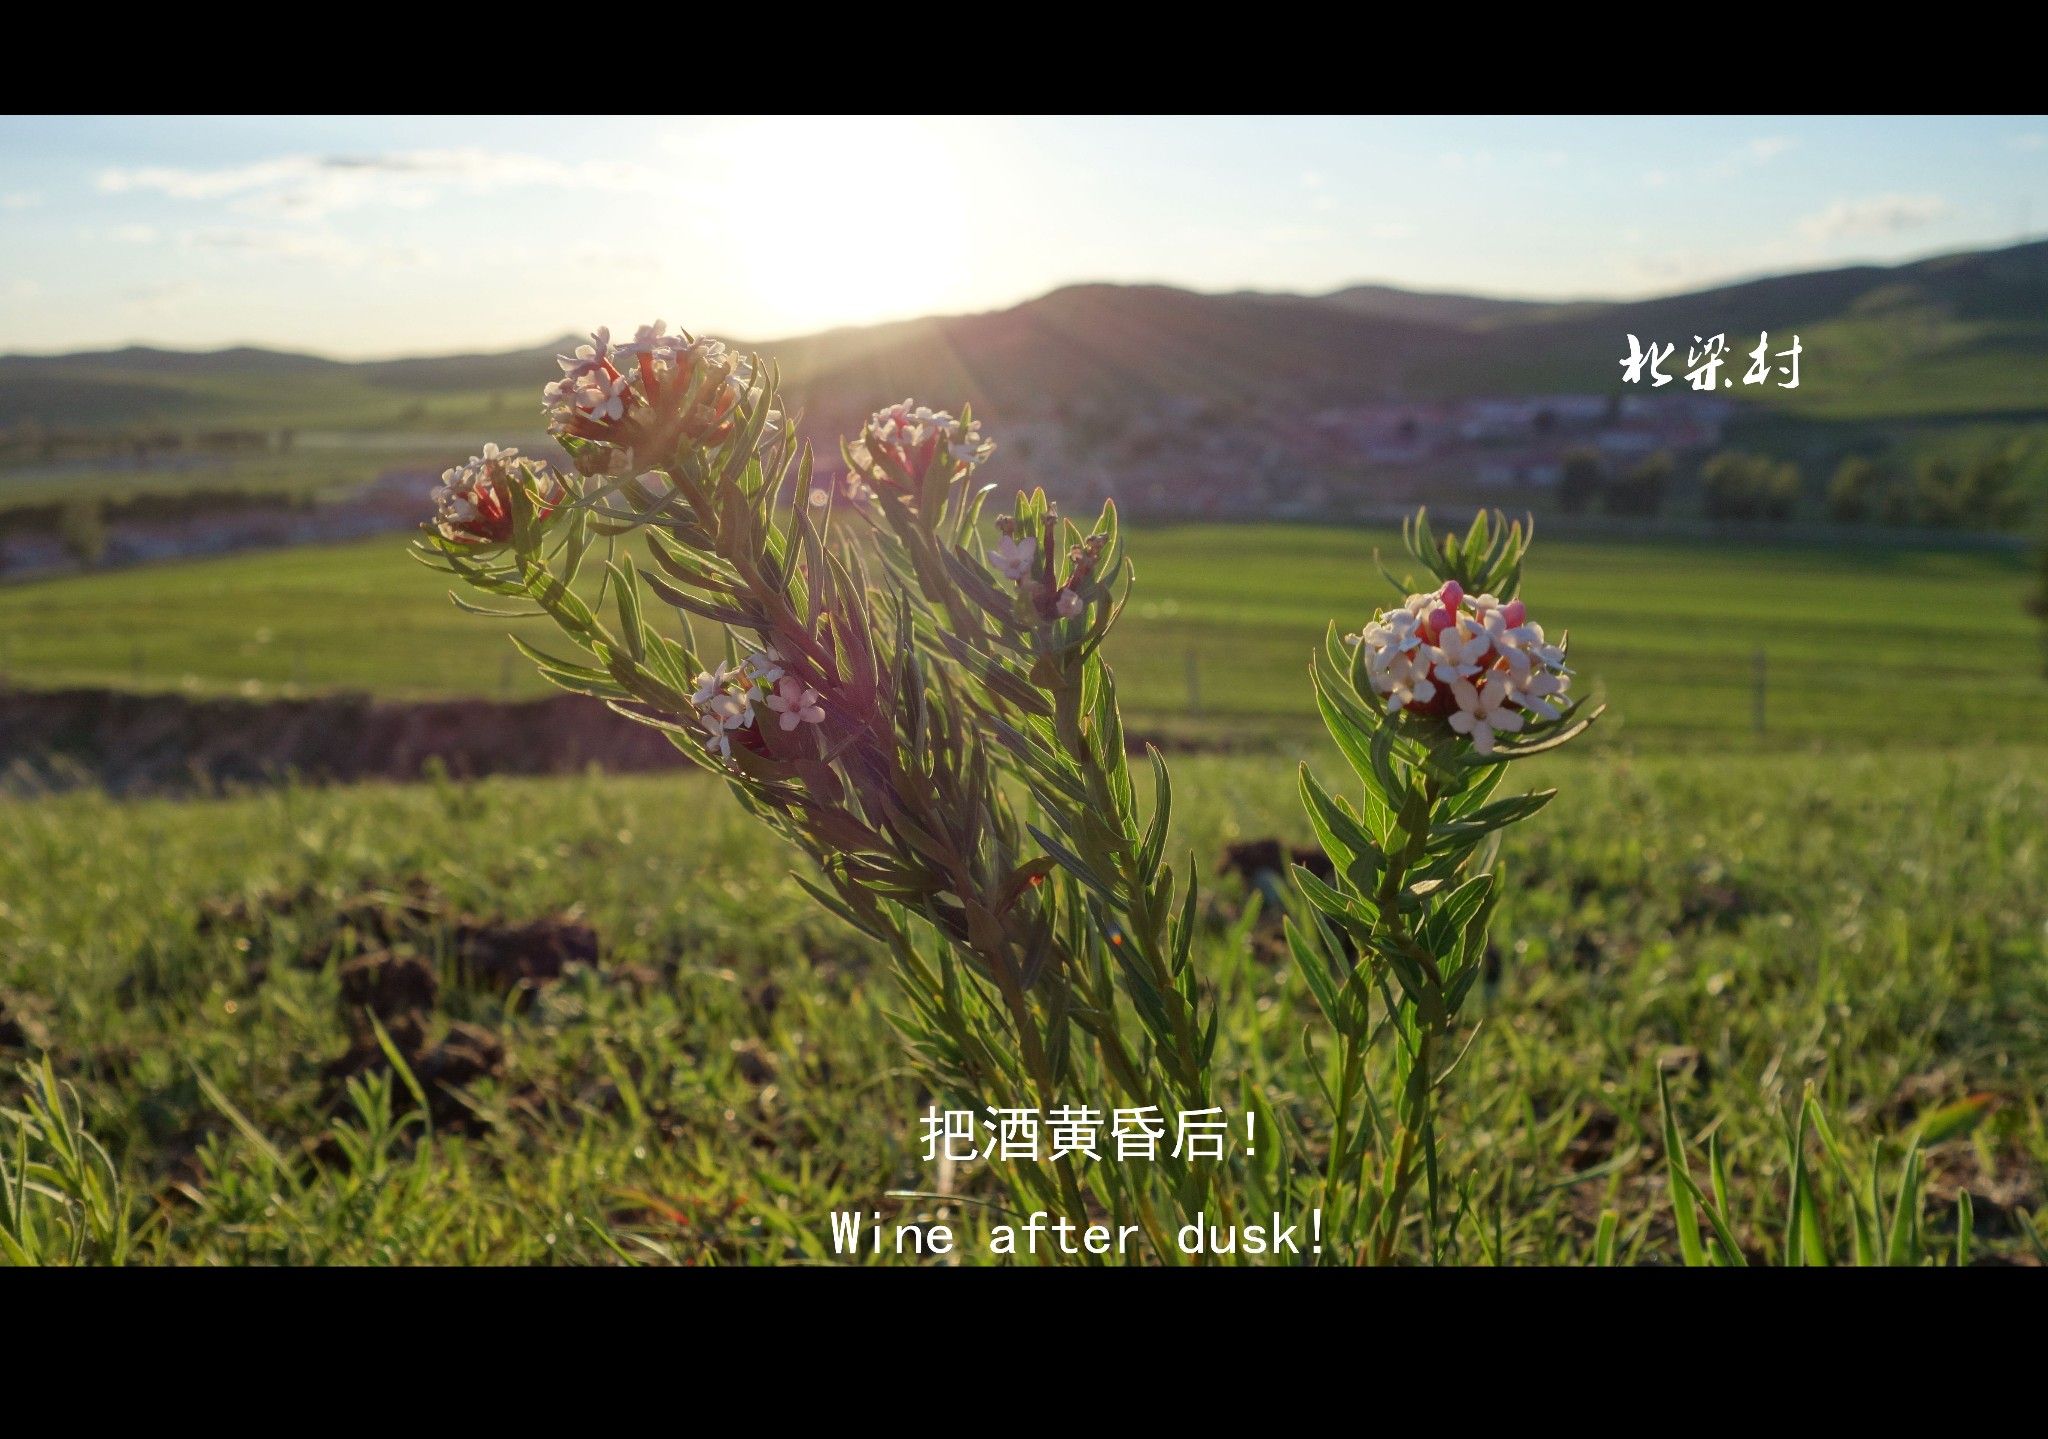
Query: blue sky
(364, 237)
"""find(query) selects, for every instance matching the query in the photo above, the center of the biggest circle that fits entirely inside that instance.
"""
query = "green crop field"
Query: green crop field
(1860, 646)
(304, 471)
(721, 1076)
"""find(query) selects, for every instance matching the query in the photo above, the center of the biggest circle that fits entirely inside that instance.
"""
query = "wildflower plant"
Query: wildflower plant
(876, 674)
(1429, 703)
(913, 694)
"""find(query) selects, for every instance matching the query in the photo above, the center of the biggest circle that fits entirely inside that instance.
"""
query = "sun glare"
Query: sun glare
(831, 222)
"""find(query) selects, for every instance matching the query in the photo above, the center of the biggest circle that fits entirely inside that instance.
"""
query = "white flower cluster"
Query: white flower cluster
(648, 391)
(907, 434)
(910, 427)
(725, 698)
(1482, 664)
(469, 506)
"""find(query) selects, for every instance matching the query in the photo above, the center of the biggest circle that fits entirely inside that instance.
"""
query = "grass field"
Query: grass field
(723, 1076)
(310, 471)
(714, 1072)
(1861, 647)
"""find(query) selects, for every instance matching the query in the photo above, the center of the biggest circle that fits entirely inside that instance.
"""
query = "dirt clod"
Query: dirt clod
(508, 957)
(19, 1029)
(1251, 858)
(755, 1061)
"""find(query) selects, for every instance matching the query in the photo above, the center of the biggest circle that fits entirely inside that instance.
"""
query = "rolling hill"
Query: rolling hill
(1948, 339)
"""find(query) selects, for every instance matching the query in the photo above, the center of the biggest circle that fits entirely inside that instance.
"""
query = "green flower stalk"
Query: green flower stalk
(1429, 703)
(877, 680)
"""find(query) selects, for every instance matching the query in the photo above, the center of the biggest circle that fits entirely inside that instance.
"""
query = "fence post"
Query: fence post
(1761, 684)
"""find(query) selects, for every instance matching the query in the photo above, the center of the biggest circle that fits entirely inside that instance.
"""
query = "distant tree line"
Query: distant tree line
(1739, 486)
(30, 441)
(81, 512)
(1938, 493)
(82, 529)
(1982, 493)
(1639, 491)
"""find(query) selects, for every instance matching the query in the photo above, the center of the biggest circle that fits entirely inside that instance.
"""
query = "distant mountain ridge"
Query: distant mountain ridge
(1428, 306)
(1948, 336)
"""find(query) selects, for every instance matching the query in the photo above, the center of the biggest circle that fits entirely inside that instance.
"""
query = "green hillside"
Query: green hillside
(1958, 335)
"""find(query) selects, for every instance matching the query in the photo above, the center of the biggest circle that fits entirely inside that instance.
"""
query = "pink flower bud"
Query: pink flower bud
(1514, 614)
(1452, 595)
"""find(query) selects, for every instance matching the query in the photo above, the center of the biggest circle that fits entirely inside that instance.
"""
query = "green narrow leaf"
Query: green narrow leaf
(1680, 1182)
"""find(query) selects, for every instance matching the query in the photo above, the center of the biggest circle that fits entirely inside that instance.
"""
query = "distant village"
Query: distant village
(1170, 457)
(1190, 458)
(215, 524)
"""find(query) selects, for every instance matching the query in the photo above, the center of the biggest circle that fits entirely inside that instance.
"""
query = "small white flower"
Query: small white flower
(1404, 630)
(1535, 693)
(603, 400)
(588, 359)
(1013, 556)
(1482, 712)
(1532, 638)
(764, 666)
(1403, 679)
(717, 739)
(796, 704)
(734, 709)
(1462, 651)
(712, 683)
(1069, 604)
(650, 340)
(965, 444)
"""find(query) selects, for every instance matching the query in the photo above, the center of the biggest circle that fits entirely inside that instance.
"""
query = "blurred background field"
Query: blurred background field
(1214, 643)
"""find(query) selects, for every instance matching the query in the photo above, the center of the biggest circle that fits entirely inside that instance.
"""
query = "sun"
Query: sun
(821, 222)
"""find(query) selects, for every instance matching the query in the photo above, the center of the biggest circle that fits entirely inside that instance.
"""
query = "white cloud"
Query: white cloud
(1876, 215)
(1754, 155)
(20, 200)
(309, 246)
(311, 185)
